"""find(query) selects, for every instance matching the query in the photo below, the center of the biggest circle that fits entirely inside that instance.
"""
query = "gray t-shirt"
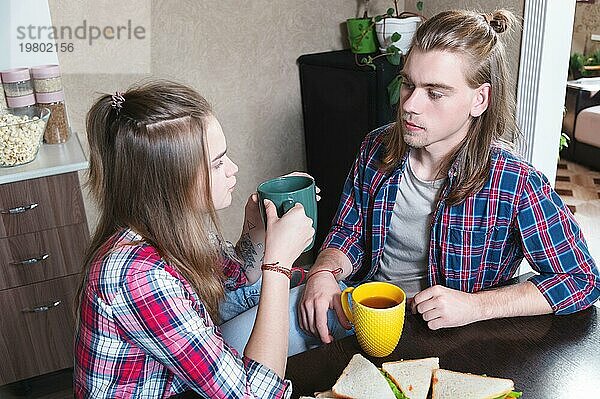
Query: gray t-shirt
(405, 257)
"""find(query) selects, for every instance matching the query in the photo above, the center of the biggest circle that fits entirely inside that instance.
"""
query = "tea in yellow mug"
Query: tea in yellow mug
(377, 314)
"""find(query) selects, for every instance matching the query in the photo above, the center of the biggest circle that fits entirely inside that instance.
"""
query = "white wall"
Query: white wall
(15, 13)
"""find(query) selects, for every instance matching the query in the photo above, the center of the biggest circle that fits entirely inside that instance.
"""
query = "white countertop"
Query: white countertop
(587, 84)
(52, 159)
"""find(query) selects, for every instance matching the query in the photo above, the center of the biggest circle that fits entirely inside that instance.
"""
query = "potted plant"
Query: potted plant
(397, 29)
(361, 32)
(584, 66)
(394, 43)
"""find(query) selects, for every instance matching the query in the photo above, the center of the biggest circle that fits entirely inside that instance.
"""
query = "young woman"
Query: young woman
(155, 272)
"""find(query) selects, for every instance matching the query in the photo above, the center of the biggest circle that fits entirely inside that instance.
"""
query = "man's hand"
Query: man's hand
(444, 307)
(321, 293)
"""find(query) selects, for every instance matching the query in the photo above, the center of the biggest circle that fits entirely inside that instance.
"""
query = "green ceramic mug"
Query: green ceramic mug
(285, 192)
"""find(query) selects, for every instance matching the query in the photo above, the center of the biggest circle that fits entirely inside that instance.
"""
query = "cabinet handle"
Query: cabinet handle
(42, 308)
(18, 209)
(31, 261)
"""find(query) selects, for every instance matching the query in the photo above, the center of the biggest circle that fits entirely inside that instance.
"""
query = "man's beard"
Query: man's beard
(414, 140)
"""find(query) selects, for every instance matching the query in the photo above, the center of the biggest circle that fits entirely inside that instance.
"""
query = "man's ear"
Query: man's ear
(481, 100)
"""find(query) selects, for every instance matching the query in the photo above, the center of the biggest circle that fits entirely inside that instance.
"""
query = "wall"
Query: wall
(587, 22)
(242, 57)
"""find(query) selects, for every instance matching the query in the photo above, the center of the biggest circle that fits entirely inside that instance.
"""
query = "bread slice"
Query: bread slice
(451, 384)
(413, 377)
(362, 380)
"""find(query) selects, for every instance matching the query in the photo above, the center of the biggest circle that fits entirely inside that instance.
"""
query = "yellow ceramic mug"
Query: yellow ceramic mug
(377, 315)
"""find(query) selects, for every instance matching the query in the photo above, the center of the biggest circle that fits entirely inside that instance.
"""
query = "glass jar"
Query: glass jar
(21, 133)
(46, 79)
(16, 82)
(57, 128)
(20, 102)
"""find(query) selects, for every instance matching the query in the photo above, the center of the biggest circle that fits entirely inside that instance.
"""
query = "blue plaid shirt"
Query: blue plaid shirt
(478, 243)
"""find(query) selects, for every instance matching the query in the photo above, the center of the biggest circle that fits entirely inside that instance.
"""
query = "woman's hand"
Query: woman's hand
(317, 189)
(288, 236)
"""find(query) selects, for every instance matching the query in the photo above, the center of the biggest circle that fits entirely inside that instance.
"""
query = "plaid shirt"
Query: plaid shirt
(478, 243)
(143, 332)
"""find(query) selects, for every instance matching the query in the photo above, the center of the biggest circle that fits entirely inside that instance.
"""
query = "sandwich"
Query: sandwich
(448, 384)
(362, 380)
(410, 379)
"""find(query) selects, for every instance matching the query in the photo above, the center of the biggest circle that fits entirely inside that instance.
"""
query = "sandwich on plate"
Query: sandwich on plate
(410, 379)
(448, 384)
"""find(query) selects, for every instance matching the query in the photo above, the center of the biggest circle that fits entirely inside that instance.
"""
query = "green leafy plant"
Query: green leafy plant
(578, 63)
(393, 54)
(564, 142)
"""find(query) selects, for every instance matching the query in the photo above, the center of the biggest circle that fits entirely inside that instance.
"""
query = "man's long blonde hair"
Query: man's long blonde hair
(149, 171)
(475, 37)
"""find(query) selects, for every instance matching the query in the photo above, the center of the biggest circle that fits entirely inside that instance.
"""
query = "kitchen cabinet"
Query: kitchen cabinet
(43, 238)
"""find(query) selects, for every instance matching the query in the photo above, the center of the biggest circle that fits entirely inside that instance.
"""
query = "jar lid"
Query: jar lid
(52, 97)
(22, 101)
(15, 75)
(45, 71)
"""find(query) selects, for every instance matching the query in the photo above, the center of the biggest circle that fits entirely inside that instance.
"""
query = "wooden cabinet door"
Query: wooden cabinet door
(40, 204)
(37, 328)
(43, 255)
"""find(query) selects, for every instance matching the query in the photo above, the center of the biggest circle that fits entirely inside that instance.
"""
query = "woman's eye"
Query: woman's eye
(219, 164)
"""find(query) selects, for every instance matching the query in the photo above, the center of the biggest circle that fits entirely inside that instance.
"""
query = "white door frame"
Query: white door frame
(543, 70)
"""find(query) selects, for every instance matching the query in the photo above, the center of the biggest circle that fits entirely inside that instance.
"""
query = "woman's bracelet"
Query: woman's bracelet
(334, 272)
(279, 269)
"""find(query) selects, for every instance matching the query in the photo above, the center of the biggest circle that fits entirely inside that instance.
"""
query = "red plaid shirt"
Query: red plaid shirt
(143, 332)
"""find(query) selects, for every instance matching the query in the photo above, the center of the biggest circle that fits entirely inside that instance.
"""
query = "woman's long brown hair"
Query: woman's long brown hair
(149, 171)
(475, 37)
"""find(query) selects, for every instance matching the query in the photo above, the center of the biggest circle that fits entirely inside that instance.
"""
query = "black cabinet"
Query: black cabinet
(341, 103)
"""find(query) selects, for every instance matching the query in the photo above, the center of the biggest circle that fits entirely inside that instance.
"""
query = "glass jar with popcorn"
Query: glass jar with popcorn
(21, 134)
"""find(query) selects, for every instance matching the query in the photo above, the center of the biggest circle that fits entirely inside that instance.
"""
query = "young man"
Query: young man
(439, 205)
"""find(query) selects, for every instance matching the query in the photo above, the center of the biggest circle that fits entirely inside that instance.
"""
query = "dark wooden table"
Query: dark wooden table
(546, 356)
